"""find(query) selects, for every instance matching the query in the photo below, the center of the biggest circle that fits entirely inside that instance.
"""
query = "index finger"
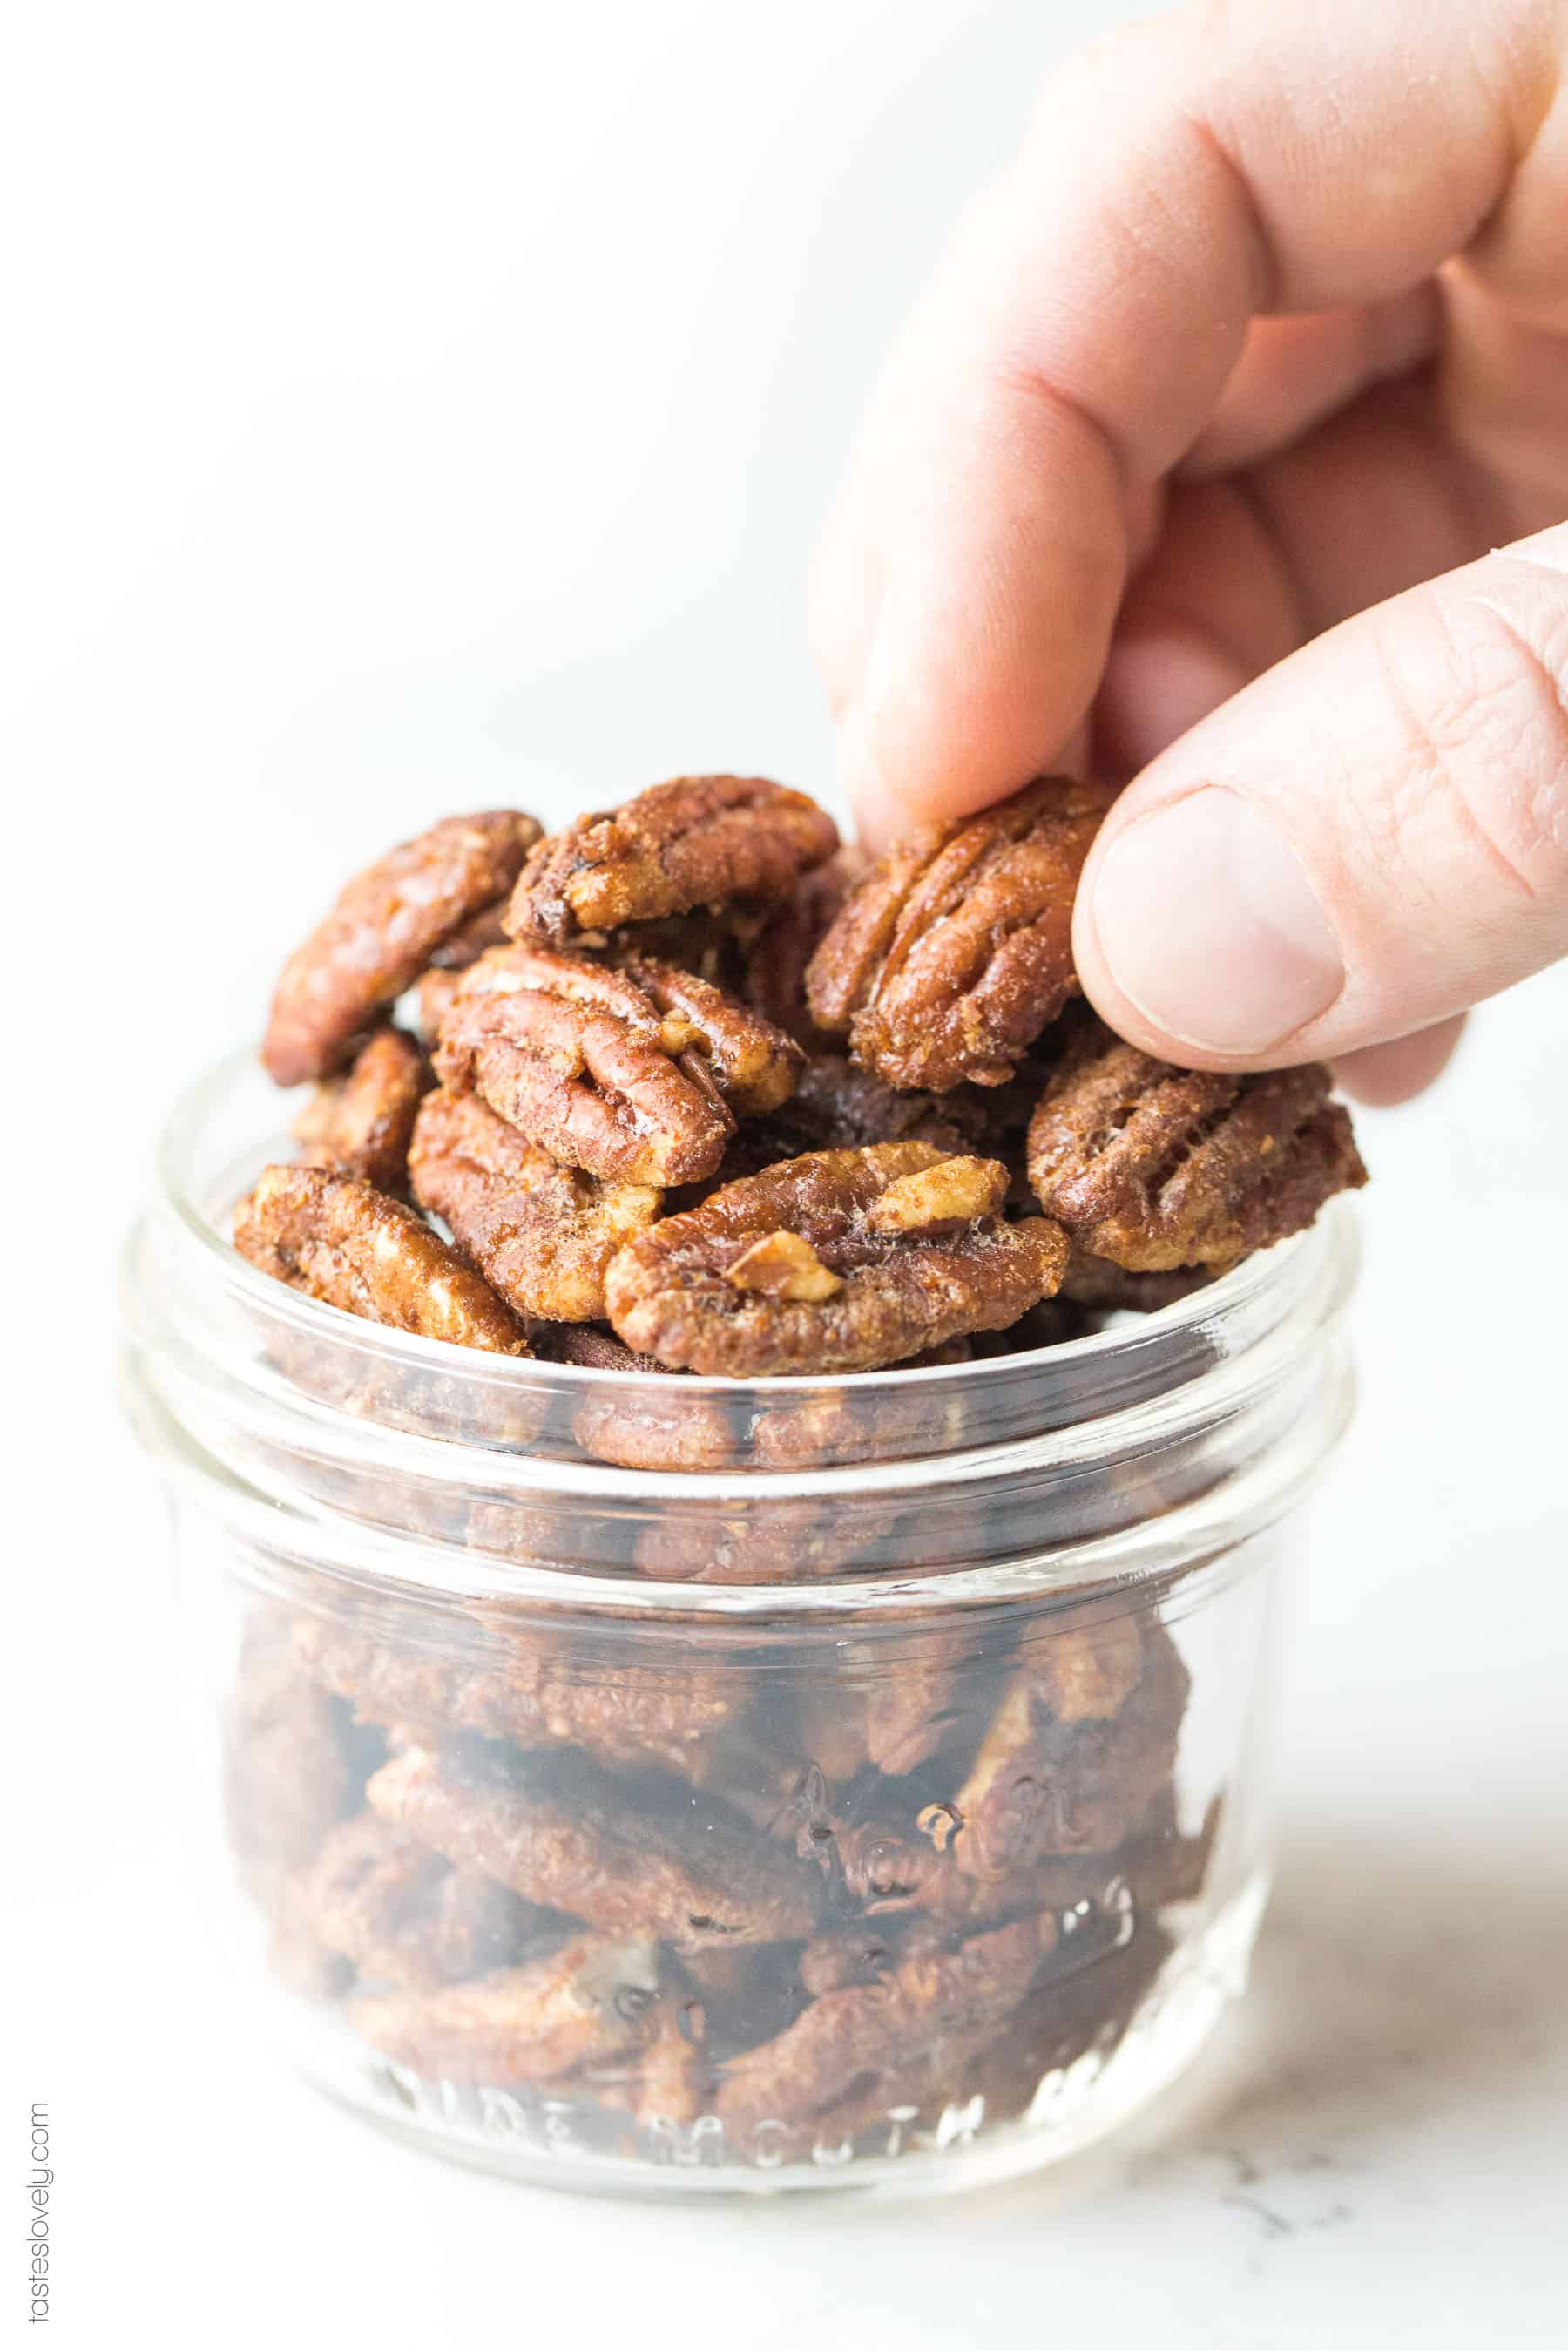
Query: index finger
(1176, 183)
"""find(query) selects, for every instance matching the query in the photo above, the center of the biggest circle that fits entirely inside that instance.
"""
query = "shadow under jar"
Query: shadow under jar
(652, 1783)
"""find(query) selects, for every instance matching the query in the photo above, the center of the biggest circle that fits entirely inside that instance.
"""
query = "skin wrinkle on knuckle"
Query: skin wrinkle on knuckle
(1507, 773)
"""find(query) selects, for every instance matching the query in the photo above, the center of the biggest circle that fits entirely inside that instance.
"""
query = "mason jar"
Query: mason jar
(659, 1784)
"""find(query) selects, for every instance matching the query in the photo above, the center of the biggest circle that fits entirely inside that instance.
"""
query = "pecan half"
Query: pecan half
(586, 1065)
(352, 1248)
(693, 1875)
(846, 2041)
(673, 1293)
(755, 1066)
(385, 927)
(589, 2000)
(359, 1123)
(405, 1917)
(541, 1234)
(1081, 1740)
(286, 1775)
(692, 843)
(956, 952)
(1158, 1167)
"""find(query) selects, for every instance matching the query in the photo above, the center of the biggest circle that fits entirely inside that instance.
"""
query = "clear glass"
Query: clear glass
(678, 1784)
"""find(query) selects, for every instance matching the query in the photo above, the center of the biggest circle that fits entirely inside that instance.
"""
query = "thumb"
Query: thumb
(1362, 843)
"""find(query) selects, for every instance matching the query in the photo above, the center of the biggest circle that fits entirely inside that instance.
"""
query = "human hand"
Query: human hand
(1187, 468)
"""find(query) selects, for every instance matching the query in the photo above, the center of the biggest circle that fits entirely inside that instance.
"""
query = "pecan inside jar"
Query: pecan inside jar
(339, 1241)
(839, 1260)
(541, 1234)
(583, 1062)
(1156, 1167)
(360, 1123)
(956, 952)
(385, 926)
(695, 841)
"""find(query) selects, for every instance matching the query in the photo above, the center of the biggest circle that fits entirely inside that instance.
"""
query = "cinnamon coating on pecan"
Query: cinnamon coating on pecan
(586, 2003)
(541, 1234)
(1156, 1167)
(691, 1875)
(902, 1251)
(585, 1064)
(385, 927)
(754, 1065)
(352, 1248)
(867, 2032)
(360, 1123)
(405, 1917)
(695, 841)
(956, 952)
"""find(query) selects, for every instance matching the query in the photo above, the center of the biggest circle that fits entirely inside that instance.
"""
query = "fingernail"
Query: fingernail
(1209, 923)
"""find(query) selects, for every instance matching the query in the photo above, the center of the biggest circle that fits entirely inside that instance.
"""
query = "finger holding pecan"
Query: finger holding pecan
(587, 2002)
(837, 1261)
(585, 1064)
(384, 929)
(695, 841)
(541, 1234)
(1156, 1167)
(360, 1123)
(952, 956)
(690, 1875)
(350, 1247)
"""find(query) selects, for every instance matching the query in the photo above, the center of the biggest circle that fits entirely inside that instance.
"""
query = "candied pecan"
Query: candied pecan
(692, 843)
(754, 1065)
(1062, 2020)
(956, 952)
(1079, 1744)
(671, 1294)
(847, 2041)
(1096, 1283)
(838, 1106)
(359, 1124)
(287, 1774)
(405, 1917)
(385, 927)
(520, 1683)
(692, 1874)
(473, 938)
(586, 1065)
(778, 952)
(350, 1247)
(1156, 1167)
(588, 2001)
(656, 1428)
(434, 994)
(541, 1234)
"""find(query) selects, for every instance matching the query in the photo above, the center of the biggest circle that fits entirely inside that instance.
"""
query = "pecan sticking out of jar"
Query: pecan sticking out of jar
(360, 1123)
(692, 843)
(541, 1234)
(405, 1917)
(583, 2003)
(585, 1064)
(847, 2040)
(384, 929)
(352, 1248)
(1158, 1167)
(691, 1875)
(940, 1263)
(956, 952)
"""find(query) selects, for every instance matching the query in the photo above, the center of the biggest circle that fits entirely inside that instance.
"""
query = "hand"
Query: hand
(1188, 468)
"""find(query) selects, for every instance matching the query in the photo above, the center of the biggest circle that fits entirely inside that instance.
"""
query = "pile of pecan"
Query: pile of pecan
(679, 1078)
(680, 1089)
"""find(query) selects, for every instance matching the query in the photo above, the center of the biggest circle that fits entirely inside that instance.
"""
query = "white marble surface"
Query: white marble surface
(410, 404)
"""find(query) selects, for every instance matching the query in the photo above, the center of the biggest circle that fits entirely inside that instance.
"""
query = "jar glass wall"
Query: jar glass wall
(671, 1784)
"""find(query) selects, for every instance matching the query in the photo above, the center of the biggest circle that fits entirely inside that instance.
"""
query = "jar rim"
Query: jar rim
(195, 1308)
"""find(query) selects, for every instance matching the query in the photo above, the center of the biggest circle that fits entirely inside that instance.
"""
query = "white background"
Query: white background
(399, 400)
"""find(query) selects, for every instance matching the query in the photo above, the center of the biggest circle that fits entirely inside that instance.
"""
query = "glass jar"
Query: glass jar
(659, 1783)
